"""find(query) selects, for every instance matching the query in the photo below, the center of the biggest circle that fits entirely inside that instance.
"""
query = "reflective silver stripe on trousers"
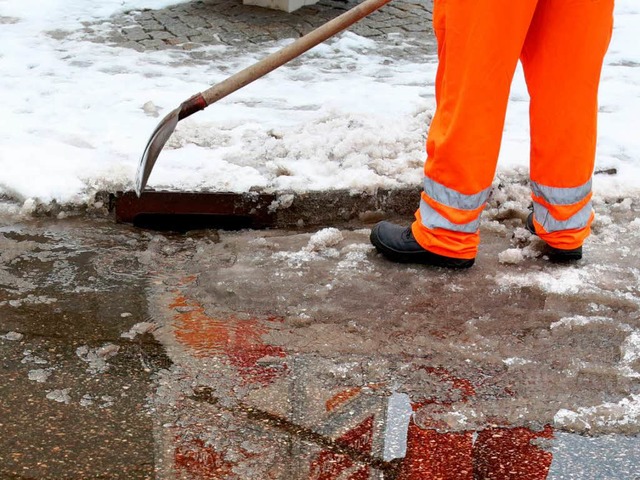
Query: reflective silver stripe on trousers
(432, 219)
(561, 196)
(550, 224)
(451, 198)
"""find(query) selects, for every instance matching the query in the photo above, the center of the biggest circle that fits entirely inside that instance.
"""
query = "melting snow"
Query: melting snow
(39, 375)
(60, 396)
(139, 329)
(12, 336)
(97, 357)
(601, 417)
(286, 132)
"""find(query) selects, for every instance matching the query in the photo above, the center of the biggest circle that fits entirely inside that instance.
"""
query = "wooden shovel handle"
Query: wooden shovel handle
(279, 58)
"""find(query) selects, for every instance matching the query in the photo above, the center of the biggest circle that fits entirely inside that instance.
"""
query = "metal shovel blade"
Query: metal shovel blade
(211, 95)
(154, 146)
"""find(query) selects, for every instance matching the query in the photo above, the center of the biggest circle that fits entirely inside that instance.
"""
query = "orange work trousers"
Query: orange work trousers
(561, 44)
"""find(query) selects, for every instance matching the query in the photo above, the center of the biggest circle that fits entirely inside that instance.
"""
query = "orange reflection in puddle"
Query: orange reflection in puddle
(199, 461)
(342, 397)
(330, 465)
(494, 454)
(237, 340)
(491, 454)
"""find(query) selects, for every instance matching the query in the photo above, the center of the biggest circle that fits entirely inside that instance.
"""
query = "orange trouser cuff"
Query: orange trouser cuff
(564, 239)
(445, 242)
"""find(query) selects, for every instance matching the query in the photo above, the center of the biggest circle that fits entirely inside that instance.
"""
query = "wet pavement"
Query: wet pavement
(294, 354)
(300, 353)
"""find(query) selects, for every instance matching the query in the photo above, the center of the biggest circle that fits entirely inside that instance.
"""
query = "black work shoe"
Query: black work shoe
(557, 255)
(398, 244)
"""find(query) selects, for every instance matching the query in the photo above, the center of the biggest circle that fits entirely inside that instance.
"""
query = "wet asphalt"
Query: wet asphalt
(130, 353)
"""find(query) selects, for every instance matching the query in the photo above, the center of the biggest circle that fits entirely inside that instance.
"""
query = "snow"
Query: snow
(511, 256)
(516, 361)
(139, 329)
(60, 396)
(581, 321)
(39, 375)
(97, 357)
(12, 336)
(603, 417)
(78, 114)
(29, 357)
(562, 281)
(323, 239)
(630, 351)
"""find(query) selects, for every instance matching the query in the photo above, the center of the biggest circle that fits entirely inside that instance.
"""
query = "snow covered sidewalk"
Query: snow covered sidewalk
(352, 114)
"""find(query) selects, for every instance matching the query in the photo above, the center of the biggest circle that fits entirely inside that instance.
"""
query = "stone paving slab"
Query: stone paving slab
(187, 26)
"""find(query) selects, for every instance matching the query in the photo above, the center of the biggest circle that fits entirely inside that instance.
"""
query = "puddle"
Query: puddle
(307, 356)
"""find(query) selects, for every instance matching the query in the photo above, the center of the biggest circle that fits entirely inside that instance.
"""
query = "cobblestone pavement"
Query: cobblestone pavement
(188, 26)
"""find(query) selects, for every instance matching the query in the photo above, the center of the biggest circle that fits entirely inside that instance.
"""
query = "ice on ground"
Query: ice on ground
(29, 357)
(630, 352)
(12, 336)
(320, 246)
(323, 239)
(581, 321)
(631, 348)
(139, 329)
(30, 300)
(97, 357)
(355, 257)
(512, 256)
(60, 396)
(608, 417)
(515, 361)
(39, 375)
(565, 281)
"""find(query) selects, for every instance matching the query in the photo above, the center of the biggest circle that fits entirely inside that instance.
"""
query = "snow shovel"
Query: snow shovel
(202, 100)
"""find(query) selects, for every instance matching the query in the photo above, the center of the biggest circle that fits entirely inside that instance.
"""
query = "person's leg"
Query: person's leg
(479, 44)
(562, 59)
